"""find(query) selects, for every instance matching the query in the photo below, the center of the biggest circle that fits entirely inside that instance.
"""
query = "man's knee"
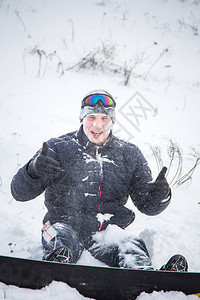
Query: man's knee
(59, 235)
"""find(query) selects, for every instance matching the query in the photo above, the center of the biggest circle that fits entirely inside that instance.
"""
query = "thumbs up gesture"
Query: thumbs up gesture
(159, 189)
(44, 165)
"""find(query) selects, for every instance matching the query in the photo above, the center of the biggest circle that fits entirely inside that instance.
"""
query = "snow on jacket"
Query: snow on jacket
(94, 180)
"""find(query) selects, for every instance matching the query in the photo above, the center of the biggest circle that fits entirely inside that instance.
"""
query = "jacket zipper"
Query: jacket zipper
(99, 208)
(101, 174)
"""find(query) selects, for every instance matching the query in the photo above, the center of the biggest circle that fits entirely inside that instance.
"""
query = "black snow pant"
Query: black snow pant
(129, 252)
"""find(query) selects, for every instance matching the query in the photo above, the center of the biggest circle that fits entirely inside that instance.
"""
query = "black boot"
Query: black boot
(62, 254)
(177, 263)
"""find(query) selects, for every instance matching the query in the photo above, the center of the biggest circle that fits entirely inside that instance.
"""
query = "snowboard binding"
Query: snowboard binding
(177, 263)
(62, 255)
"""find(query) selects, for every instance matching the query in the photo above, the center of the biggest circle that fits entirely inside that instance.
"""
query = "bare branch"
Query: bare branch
(20, 19)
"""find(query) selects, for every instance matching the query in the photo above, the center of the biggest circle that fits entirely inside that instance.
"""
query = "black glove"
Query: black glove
(159, 189)
(43, 165)
(122, 216)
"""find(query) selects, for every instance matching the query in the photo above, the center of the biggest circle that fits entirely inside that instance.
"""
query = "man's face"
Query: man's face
(97, 127)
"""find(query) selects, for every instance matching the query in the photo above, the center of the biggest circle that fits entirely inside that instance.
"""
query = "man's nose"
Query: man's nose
(97, 123)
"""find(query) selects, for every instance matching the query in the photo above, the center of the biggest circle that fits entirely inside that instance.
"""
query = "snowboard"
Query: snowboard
(95, 282)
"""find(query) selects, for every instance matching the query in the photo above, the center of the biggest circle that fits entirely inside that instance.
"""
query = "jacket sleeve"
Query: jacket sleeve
(24, 188)
(139, 192)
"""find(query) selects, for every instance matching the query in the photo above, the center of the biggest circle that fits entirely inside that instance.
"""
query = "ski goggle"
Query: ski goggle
(92, 100)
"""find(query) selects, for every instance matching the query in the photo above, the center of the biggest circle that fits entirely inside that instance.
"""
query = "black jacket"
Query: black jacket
(93, 180)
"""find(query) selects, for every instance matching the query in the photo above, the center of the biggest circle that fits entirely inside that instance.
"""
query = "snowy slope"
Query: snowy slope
(43, 44)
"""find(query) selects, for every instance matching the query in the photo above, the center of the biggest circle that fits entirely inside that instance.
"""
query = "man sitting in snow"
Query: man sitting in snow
(87, 177)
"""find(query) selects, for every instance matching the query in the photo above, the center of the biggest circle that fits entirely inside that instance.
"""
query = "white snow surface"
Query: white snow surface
(160, 39)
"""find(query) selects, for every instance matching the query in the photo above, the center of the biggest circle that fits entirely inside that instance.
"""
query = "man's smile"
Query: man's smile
(96, 133)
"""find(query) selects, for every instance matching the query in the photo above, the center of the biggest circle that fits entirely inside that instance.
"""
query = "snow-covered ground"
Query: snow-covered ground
(43, 46)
